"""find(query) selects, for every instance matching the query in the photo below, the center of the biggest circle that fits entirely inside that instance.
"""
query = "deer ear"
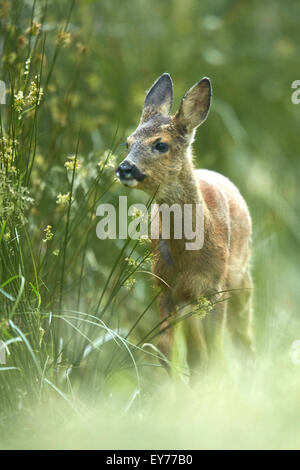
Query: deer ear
(159, 98)
(194, 106)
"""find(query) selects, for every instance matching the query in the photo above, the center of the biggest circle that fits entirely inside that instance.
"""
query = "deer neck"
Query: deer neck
(183, 188)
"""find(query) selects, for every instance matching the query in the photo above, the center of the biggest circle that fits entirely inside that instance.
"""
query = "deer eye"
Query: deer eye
(162, 147)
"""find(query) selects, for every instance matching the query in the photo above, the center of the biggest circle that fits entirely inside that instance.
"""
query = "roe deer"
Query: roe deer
(159, 159)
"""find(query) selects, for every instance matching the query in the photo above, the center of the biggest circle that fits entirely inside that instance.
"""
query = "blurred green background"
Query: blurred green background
(94, 61)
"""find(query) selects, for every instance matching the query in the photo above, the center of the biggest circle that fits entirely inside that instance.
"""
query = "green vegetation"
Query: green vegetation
(78, 315)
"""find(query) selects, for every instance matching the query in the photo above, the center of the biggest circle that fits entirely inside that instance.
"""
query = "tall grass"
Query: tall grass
(60, 341)
(43, 267)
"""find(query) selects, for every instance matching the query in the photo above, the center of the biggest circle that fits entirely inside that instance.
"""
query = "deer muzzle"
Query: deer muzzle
(129, 174)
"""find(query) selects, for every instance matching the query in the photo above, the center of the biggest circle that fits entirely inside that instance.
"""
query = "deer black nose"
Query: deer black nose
(128, 171)
(124, 171)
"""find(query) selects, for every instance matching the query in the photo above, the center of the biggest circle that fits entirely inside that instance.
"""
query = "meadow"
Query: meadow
(78, 315)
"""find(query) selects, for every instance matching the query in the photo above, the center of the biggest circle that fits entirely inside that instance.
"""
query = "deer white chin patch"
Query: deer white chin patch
(131, 183)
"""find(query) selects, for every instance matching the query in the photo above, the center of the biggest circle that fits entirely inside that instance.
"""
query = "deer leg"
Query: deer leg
(214, 326)
(166, 336)
(196, 346)
(194, 338)
(240, 318)
(197, 354)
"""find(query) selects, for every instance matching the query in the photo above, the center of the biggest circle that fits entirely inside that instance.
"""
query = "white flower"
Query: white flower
(63, 199)
(27, 65)
(72, 163)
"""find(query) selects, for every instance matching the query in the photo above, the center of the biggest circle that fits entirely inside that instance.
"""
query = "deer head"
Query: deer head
(158, 148)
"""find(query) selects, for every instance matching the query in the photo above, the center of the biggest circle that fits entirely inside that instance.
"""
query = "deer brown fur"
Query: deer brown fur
(223, 263)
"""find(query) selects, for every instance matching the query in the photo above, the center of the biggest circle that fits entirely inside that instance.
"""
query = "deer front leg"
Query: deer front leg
(214, 326)
(240, 319)
(197, 353)
(185, 299)
(196, 349)
(166, 336)
(205, 337)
